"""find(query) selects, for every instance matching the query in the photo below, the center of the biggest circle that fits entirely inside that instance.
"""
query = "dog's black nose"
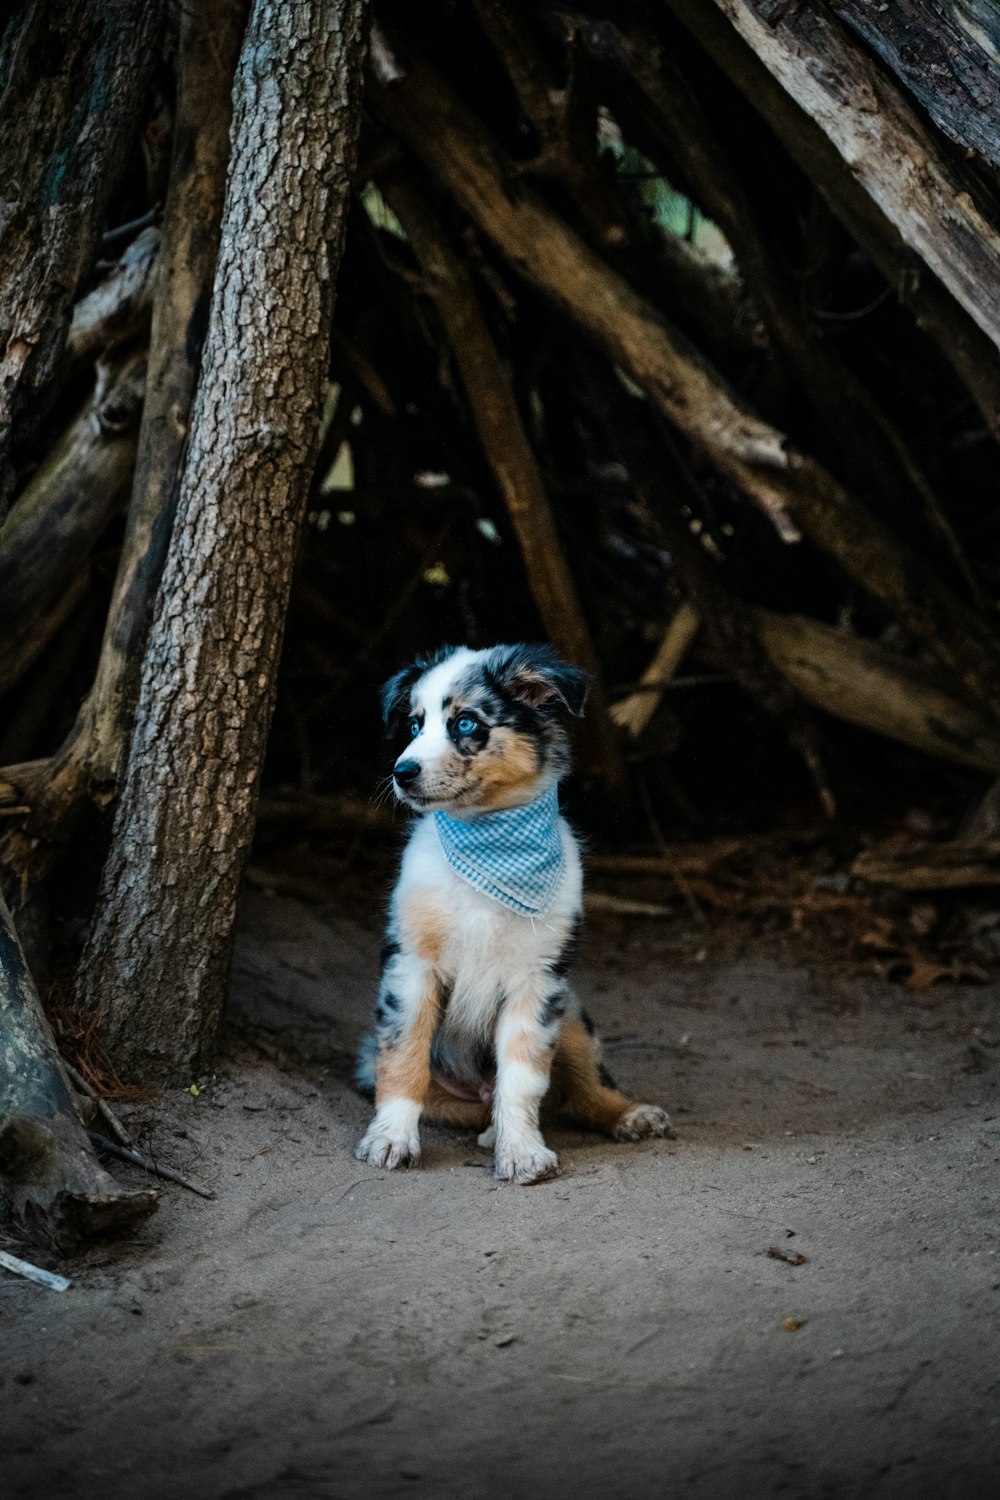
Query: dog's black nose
(406, 771)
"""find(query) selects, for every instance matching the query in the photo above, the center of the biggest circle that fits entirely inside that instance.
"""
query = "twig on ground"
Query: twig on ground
(33, 1273)
(140, 1159)
(103, 1108)
(791, 1258)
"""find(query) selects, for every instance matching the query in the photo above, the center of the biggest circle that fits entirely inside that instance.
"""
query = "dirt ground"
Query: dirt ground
(323, 1329)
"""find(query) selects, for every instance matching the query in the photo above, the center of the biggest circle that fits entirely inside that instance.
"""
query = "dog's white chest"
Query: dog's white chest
(485, 948)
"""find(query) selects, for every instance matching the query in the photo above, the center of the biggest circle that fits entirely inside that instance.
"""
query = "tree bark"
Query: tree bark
(62, 146)
(50, 1178)
(117, 311)
(884, 145)
(509, 455)
(972, 352)
(157, 962)
(946, 55)
(691, 395)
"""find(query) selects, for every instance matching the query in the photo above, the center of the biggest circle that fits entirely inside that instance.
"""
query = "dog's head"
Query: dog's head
(477, 731)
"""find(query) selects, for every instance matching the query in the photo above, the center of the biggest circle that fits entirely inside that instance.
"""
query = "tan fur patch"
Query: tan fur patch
(403, 1071)
(424, 926)
(577, 1090)
(469, 1114)
(506, 769)
(521, 1049)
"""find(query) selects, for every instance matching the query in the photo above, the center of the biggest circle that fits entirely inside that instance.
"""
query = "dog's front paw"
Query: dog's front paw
(392, 1139)
(383, 1150)
(525, 1162)
(643, 1121)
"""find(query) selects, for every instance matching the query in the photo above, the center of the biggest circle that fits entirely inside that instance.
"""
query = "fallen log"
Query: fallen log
(931, 867)
(880, 690)
(946, 56)
(789, 486)
(50, 1179)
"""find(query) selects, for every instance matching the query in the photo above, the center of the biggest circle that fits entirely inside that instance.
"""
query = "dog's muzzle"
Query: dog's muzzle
(405, 772)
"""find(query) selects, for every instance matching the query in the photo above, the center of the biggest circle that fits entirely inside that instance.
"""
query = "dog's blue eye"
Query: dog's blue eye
(414, 728)
(466, 725)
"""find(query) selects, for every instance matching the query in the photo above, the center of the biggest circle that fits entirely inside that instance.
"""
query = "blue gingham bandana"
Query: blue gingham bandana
(514, 856)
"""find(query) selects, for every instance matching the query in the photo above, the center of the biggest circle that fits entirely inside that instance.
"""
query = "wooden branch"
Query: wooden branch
(102, 1106)
(508, 452)
(49, 1175)
(880, 690)
(61, 515)
(138, 1158)
(931, 867)
(757, 457)
(28, 639)
(69, 140)
(564, 119)
(634, 712)
(972, 352)
(946, 55)
(117, 311)
(872, 453)
(886, 147)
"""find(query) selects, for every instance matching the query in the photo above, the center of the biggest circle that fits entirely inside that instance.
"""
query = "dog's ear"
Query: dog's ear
(396, 695)
(537, 677)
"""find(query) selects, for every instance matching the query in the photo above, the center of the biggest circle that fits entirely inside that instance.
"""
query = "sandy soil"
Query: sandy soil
(323, 1329)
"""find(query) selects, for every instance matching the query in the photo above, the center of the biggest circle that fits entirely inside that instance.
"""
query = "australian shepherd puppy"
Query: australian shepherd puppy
(476, 1024)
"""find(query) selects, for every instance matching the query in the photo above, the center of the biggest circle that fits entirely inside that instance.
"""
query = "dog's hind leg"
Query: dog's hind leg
(446, 1109)
(579, 1093)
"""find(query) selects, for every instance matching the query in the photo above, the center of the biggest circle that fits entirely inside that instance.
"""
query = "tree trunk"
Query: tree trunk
(157, 963)
(50, 1179)
(62, 144)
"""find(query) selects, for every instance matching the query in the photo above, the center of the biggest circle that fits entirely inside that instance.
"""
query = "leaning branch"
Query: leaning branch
(508, 452)
(755, 456)
(887, 149)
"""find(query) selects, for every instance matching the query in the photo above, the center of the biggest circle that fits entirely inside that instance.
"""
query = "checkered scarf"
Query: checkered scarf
(514, 856)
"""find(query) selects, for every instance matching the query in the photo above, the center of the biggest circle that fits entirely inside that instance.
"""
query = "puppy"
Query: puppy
(475, 1021)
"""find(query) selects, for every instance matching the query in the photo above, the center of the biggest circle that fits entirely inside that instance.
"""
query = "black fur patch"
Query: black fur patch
(568, 953)
(588, 1023)
(388, 951)
(554, 1007)
(535, 676)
